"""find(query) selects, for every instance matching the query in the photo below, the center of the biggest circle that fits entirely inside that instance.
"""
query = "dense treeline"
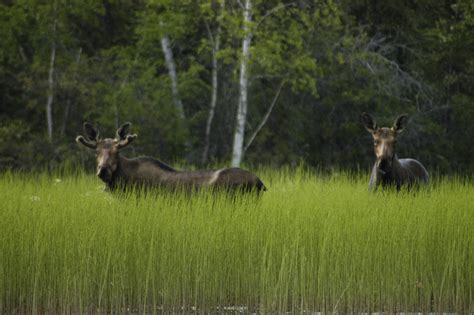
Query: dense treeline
(271, 82)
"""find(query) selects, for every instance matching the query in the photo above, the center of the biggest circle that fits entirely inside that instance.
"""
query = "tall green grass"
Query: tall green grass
(308, 244)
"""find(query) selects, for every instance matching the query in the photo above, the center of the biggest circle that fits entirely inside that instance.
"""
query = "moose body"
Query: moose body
(404, 172)
(388, 170)
(119, 172)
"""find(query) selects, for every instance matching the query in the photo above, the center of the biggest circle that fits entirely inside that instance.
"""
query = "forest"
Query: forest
(275, 83)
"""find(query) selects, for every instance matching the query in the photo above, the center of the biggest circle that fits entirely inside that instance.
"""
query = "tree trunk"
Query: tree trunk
(239, 133)
(170, 65)
(49, 102)
(212, 106)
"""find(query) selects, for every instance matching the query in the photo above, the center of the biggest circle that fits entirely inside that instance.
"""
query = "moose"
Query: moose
(388, 170)
(119, 172)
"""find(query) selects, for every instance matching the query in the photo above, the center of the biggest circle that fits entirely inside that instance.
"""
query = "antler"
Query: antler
(87, 143)
(128, 139)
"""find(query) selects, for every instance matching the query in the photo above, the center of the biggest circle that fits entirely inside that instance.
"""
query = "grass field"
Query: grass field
(310, 244)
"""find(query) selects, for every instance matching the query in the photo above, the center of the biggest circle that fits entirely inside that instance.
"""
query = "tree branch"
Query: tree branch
(266, 116)
(272, 11)
(211, 38)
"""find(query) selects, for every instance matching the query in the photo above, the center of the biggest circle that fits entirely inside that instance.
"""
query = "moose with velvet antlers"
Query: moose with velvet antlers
(388, 169)
(119, 172)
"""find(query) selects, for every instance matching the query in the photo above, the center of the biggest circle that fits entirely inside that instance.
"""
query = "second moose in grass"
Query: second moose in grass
(388, 170)
(119, 172)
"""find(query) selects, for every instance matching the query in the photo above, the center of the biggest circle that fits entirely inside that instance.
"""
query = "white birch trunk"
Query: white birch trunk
(170, 65)
(212, 106)
(239, 133)
(49, 102)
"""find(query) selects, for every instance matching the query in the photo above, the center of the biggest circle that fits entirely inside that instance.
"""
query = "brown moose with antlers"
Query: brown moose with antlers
(388, 170)
(121, 172)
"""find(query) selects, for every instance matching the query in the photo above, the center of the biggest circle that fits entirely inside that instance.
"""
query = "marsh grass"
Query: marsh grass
(310, 243)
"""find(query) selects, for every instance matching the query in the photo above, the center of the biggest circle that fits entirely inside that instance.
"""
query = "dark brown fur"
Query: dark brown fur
(388, 170)
(119, 172)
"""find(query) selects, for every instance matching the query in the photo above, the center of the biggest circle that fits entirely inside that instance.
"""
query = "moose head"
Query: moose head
(107, 150)
(385, 140)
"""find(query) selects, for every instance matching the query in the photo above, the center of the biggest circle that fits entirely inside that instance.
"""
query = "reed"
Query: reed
(310, 243)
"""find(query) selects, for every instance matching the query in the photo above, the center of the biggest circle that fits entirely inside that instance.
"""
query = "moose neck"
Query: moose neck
(122, 173)
(391, 176)
(137, 171)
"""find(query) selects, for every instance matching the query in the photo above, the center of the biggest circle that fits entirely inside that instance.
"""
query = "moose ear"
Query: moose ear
(123, 131)
(91, 133)
(400, 123)
(368, 122)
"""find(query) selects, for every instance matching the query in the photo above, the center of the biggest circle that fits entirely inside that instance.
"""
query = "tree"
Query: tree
(241, 117)
(170, 64)
(214, 40)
